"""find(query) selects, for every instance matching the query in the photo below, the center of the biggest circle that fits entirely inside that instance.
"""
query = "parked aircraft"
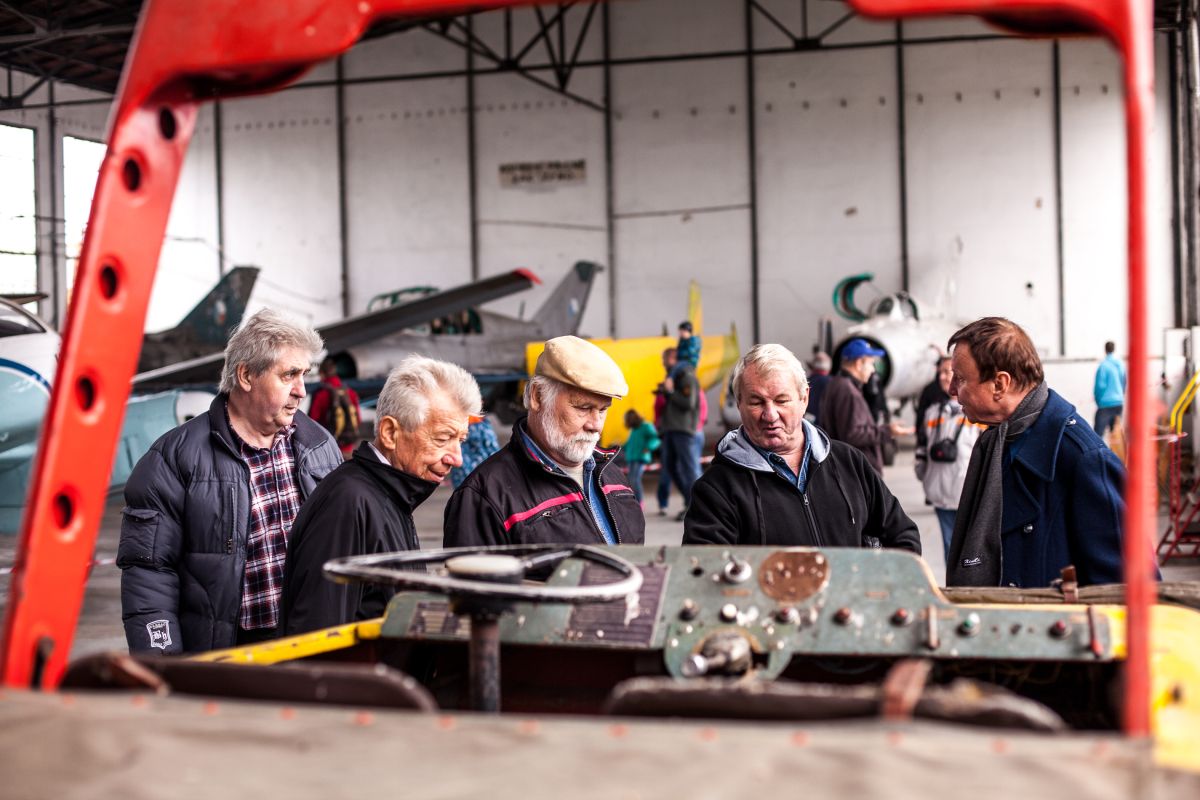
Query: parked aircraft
(894, 323)
(641, 360)
(207, 327)
(369, 345)
(28, 358)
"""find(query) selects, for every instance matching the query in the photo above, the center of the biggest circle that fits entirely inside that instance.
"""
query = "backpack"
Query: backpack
(341, 418)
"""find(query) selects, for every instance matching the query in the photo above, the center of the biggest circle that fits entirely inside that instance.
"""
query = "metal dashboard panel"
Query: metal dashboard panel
(828, 602)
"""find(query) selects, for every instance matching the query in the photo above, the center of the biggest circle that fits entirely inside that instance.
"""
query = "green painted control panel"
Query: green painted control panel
(752, 609)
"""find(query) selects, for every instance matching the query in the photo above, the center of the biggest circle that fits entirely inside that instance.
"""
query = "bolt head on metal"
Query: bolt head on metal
(1059, 629)
(736, 570)
(729, 612)
(689, 609)
(787, 616)
(970, 625)
(843, 616)
(901, 617)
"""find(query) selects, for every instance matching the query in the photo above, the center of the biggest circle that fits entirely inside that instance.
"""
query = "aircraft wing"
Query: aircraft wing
(371, 326)
(206, 370)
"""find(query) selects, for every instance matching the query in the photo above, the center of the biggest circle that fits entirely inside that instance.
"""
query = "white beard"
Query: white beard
(574, 449)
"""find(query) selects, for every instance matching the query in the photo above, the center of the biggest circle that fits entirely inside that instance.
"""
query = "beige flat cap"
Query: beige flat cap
(581, 364)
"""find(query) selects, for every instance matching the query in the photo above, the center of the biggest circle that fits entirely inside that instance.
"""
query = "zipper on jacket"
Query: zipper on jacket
(812, 521)
(232, 514)
(604, 497)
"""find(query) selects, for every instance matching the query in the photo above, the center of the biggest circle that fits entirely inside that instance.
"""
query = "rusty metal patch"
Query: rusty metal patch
(793, 577)
(616, 622)
(433, 618)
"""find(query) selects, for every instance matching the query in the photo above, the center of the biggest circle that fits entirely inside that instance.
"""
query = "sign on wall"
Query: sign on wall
(543, 174)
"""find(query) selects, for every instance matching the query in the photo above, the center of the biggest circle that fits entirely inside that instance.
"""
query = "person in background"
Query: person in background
(335, 407)
(680, 421)
(932, 395)
(845, 415)
(480, 444)
(642, 442)
(663, 491)
(209, 508)
(366, 505)
(1109, 390)
(688, 349)
(818, 377)
(941, 464)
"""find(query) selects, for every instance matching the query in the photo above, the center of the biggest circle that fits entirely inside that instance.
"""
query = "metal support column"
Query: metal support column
(219, 169)
(472, 166)
(343, 202)
(1056, 100)
(752, 169)
(609, 201)
(902, 154)
(57, 278)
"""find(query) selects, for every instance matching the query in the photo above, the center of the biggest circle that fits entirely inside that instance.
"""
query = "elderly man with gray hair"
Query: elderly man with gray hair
(366, 505)
(209, 507)
(551, 485)
(779, 480)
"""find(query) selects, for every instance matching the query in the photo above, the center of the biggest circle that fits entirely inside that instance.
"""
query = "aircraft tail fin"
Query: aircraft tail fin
(215, 318)
(561, 313)
(695, 308)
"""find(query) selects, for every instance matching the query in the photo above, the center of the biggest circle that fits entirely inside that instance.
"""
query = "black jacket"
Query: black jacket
(183, 534)
(363, 507)
(512, 499)
(846, 417)
(742, 500)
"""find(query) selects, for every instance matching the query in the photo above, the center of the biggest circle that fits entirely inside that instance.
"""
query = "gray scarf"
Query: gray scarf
(976, 556)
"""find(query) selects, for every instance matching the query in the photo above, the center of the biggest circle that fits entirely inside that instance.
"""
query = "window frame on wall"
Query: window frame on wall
(11, 251)
(73, 229)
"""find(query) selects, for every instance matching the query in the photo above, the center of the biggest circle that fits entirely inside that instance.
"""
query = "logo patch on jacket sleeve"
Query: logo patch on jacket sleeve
(160, 633)
(972, 562)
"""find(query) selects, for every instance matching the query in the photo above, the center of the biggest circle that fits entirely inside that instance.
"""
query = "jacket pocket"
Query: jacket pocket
(139, 529)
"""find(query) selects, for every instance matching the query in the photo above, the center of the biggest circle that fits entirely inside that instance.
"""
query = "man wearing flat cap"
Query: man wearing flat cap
(551, 485)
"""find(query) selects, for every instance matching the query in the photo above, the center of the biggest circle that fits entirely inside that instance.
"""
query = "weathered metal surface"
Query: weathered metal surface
(121, 746)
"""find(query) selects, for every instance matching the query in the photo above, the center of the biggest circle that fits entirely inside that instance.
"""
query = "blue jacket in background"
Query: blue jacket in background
(1109, 389)
(1063, 502)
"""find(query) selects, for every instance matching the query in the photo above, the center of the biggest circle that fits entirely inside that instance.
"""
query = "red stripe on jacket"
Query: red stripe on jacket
(573, 497)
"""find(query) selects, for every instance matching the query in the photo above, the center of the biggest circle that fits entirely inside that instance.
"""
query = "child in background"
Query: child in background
(642, 442)
(688, 348)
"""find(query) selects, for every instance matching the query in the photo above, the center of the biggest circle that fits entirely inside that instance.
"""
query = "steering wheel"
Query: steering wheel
(489, 574)
(484, 583)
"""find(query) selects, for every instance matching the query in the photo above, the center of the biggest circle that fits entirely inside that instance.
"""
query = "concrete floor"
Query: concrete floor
(100, 622)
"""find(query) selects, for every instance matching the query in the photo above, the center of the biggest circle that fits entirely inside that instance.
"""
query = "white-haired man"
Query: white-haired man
(209, 507)
(366, 505)
(551, 485)
(778, 479)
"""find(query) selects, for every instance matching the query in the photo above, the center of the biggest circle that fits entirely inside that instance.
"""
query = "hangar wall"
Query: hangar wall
(1012, 203)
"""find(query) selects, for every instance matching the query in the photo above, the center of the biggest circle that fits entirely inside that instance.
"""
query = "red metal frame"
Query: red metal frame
(186, 52)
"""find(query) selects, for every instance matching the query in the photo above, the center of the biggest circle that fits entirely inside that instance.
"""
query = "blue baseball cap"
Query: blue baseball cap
(857, 348)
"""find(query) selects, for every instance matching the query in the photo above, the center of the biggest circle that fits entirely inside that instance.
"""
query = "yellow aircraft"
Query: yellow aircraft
(641, 361)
